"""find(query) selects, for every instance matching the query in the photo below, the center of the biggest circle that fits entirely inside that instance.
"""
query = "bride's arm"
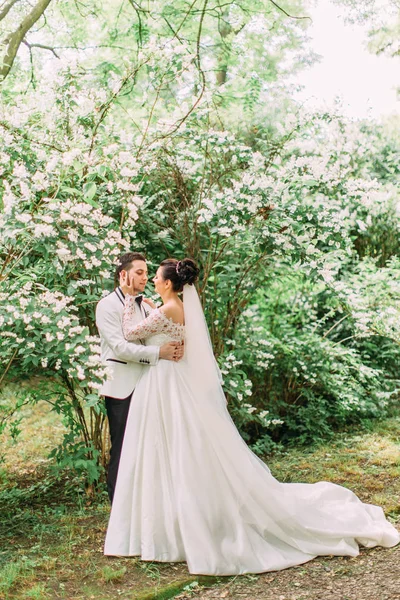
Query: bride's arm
(154, 323)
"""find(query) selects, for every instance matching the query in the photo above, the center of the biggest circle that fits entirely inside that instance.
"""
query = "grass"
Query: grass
(52, 536)
(368, 462)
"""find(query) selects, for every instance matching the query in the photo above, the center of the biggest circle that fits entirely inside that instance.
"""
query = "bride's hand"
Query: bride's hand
(150, 302)
(126, 285)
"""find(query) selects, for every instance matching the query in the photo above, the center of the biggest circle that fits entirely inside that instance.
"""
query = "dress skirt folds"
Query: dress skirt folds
(189, 489)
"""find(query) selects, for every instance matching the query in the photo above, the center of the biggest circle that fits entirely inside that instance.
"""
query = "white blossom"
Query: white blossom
(41, 230)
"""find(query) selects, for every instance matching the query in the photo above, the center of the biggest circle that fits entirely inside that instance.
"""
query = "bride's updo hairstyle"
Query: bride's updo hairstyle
(180, 272)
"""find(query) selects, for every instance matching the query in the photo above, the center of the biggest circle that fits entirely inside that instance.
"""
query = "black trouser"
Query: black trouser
(117, 412)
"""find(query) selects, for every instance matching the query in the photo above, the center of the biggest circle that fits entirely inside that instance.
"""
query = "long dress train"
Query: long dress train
(189, 489)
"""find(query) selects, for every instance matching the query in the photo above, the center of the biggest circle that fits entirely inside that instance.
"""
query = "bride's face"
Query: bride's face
(160, 283)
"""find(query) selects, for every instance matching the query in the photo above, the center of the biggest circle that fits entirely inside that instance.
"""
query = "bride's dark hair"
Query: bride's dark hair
(180, 272)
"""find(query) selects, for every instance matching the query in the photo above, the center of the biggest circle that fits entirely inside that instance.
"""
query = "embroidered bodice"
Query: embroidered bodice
(156, 330)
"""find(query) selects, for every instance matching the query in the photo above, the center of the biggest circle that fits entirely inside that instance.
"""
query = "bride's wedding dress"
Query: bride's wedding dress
(189, 489)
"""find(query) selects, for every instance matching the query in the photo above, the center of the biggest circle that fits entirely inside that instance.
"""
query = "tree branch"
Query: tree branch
(201, 72)
(286, 13)
(20, 133)
(8, 366)
(138, 10)
(6, 9)
(14, 40)
(189, 11)
(40, 46)
(32, 80)
(107, 105)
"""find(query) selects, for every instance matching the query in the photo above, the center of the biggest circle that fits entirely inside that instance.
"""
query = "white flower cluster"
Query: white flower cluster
(57, 338)
(372, 297)
(230, 362)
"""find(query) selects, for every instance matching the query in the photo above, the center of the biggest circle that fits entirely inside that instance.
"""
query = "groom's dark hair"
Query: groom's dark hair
(125, 263)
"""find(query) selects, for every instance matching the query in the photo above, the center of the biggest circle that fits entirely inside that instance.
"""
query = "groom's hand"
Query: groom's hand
(172, 351)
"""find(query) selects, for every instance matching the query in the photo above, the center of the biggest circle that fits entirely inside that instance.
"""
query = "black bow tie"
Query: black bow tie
(139, 299)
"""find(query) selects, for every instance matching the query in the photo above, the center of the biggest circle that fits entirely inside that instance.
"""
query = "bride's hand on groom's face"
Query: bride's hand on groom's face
(125, 284)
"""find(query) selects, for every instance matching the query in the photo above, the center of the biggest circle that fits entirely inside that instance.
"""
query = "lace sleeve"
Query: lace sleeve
(155, 323)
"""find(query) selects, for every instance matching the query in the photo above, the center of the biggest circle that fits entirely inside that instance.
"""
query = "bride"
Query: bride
(189, 489)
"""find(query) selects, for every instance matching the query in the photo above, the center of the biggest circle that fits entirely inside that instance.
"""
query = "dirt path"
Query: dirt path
(374, 575)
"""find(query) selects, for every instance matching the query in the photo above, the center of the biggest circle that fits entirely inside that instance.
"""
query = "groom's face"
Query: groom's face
(137, 274)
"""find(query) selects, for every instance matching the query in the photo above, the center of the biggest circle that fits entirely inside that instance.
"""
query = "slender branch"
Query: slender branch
(203, 13)
(138, 10)
(24, 252)
(40, 46)
(8, 365)
(7, 260)
(12, 412)
(286, 13)
(137, 7)
(202, 75)
(7, 8)
(238, 302)
(350, 337)
(15, 131)
(14, 40)
(78, 409)
(94, 47)
(106, 107)
(333, 326)
(128, 115)
(32, 79)
(88, 13)
(219, 6)
(189, 11)
(172, 29)
(150, 117)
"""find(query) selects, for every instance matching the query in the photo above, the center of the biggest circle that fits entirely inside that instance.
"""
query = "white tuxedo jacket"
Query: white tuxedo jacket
(126, 359)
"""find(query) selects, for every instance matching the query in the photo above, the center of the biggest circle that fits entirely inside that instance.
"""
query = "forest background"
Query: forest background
(171, 129)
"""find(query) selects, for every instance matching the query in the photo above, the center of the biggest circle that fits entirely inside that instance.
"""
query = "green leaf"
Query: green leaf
(89, 191)
(71, 190)
(102, 170)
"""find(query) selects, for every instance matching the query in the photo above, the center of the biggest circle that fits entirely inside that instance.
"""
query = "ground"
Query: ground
(51, 538)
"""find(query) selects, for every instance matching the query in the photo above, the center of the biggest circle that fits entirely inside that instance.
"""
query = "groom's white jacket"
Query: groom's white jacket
(125, 359)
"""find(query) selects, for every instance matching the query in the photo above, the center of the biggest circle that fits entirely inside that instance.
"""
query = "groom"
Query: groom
(126, 359)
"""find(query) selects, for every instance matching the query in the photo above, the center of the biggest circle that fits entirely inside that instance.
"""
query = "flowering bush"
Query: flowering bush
(299, 297)
(209, 196)
(55, 258)
(312, 370)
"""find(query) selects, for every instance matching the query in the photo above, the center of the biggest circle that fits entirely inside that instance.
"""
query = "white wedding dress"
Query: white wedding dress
(189, 489)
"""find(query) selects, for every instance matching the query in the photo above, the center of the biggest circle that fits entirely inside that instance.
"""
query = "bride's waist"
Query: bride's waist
(160, 339)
